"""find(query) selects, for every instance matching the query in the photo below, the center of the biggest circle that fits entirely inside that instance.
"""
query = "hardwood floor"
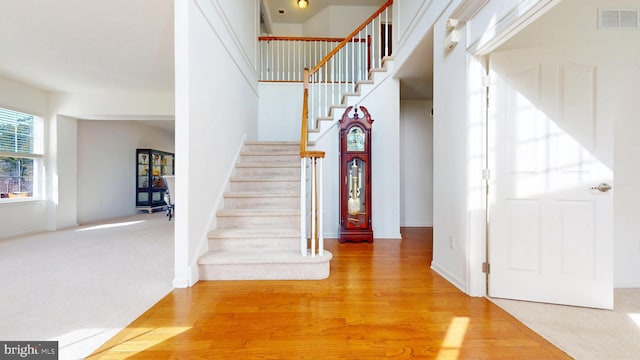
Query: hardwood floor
(381, 300)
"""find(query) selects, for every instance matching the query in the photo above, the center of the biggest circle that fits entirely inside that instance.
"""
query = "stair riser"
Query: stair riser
(271, 147)
(262, 203)
(256, 222)
(265, 186)
(314, 271)
(263, 172)
(254, 244)
(270, 159)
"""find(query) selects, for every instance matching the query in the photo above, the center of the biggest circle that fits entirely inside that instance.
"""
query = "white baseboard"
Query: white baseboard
(448, 276)
(376, 236)
(626, 284)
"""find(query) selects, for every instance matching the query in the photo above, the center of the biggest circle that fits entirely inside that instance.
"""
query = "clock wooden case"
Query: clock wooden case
(355, 176)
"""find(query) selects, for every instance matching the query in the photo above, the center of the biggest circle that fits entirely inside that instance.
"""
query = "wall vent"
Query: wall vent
(619, 19)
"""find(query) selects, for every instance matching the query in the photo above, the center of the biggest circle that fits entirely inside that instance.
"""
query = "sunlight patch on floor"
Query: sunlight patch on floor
(110, 226)
(136, 340)
(636, 318)
(78, 343)
(454, 338)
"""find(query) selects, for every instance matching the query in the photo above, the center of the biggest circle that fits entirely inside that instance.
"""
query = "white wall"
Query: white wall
(449, 158)
(216, 108)
(283, 29)
(412, 20)
(458, 127)
(106, 171)
(63, 171)
(280, 111)
(25, 216)
(337, 21)
(113, 105)
(416, 163)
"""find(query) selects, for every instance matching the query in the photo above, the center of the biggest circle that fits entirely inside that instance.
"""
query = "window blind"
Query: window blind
(16, 131)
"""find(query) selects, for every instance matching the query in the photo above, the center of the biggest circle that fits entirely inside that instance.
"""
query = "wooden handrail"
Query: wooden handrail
(295, 38)
(344, 42)
(298, 38)
(305, 113)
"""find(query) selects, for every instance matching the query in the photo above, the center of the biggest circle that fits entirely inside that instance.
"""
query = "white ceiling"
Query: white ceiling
(293, 14)
(88, 45)
(122, 45)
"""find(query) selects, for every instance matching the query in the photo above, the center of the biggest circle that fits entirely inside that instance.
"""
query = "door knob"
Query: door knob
(604, 187)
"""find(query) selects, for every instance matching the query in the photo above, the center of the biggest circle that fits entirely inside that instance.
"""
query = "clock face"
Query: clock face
(355, 139)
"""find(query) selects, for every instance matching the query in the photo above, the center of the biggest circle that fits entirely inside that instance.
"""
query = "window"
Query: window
(20, 155)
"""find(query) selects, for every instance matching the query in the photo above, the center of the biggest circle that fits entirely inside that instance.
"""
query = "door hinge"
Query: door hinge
(486, 268)
(486, 174)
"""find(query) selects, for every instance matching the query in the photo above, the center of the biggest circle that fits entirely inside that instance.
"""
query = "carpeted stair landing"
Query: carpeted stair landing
(258, 234)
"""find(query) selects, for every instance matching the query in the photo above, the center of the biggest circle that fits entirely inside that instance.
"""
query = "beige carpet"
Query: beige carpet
(81, 286)
(585, 333)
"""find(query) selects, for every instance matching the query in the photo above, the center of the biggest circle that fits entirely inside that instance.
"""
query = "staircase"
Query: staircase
(258, 230)
(363, 89)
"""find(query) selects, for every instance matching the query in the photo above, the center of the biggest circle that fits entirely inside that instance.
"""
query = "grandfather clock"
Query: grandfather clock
(355, 176)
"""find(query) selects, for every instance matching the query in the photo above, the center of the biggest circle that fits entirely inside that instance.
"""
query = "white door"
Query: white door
(550, 232)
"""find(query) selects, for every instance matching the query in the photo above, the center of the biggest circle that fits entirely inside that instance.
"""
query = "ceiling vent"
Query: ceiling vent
(619, 19)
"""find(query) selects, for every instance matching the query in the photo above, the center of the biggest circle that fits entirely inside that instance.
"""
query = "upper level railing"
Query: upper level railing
(283, 58)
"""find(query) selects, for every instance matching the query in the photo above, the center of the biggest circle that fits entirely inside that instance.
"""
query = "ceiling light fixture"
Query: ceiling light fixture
(303, 4)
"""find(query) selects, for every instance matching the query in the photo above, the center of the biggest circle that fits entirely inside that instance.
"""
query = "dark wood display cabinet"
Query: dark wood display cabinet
(151, 165)
(355, 177)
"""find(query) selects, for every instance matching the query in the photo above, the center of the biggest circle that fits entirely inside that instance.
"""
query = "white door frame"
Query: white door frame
(495, 34)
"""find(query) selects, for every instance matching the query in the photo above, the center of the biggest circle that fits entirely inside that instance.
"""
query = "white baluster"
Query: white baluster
(303, 207)
(386, 33)
(313, 207)
(320, 215)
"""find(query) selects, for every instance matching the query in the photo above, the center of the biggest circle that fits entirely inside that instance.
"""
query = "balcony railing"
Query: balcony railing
(282, 59)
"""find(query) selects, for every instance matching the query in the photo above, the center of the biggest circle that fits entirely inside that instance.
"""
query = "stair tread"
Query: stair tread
(274, 142)
(258, 212)
(264, 178)
(269, 165)
(272, 152)
(258, 233)
(260, 194)
(261, 257)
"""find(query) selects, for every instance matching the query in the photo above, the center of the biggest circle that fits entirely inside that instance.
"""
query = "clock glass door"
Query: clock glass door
(356, 206)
